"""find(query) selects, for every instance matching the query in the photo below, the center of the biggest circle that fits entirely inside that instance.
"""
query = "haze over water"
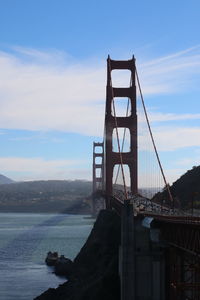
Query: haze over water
(24, 241)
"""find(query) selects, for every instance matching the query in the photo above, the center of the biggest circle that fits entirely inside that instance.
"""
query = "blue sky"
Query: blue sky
(53, 76)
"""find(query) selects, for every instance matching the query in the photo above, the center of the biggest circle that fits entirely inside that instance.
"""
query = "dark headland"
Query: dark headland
(185, 191)
(95, 269)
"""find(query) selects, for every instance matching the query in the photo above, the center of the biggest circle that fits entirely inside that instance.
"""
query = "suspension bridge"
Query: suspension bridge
(159, 257)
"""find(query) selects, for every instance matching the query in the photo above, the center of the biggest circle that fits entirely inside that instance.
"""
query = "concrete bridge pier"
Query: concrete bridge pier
(126, 255)
(150, 262)
(142, 260)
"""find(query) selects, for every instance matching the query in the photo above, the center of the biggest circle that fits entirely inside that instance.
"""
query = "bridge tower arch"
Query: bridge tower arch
(130, 122)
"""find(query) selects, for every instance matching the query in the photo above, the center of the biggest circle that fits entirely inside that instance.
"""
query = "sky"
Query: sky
(53, 78)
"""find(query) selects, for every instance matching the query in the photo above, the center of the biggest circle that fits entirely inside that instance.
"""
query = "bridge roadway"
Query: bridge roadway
(146, 207)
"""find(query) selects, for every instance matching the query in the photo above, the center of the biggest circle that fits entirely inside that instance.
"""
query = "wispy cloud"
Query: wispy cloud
(188, 162)
(38, 94)
(171, 138)
(42, 138)
(39, 168)
(46, 97)
(171, 73)
(163, 117)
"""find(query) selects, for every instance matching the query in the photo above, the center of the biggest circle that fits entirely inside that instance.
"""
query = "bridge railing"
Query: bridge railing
(147, 207)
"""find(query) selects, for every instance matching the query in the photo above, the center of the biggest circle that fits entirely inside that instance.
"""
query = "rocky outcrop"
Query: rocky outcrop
(64, 267)
(95, 269)
(52, 258)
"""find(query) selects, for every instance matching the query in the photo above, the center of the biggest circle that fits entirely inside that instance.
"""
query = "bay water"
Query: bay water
(25, 239)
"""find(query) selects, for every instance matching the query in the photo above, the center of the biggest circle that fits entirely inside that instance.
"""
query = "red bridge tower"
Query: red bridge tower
(130, 122)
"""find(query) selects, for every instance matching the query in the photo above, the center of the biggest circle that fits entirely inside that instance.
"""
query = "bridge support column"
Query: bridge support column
(141, 259)
(126, 257)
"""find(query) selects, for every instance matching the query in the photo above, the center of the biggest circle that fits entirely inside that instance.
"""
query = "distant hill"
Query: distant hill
(46, 196)
(185, 190)
(5, 180)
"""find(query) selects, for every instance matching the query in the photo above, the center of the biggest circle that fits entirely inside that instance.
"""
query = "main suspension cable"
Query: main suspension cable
(152, 138)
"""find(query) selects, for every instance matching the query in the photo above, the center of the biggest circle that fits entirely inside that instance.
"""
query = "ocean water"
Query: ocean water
(25, 240)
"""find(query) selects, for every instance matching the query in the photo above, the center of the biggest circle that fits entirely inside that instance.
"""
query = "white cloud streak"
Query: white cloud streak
(161, 117)
(171, 138)
(172, 73)
(44, 97)
(49, 91)
(38, 168)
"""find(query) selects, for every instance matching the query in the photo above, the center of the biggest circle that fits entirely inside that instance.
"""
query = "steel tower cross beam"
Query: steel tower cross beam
(112, 158)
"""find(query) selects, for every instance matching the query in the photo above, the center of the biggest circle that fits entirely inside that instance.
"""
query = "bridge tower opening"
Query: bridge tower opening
(98, 167)
(98, 178)
(113, 122)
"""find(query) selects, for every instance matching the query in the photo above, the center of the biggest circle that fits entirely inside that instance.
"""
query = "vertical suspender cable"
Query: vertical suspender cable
(124, 134)
(123, 141)
(152, 138)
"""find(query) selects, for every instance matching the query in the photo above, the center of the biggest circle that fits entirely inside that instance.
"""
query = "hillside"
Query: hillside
(45, 196)
(5, 180)
(185, 190)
